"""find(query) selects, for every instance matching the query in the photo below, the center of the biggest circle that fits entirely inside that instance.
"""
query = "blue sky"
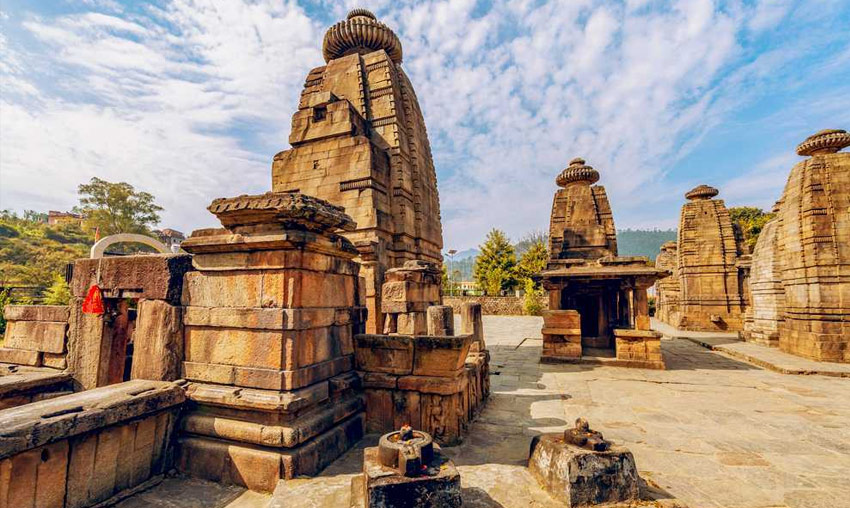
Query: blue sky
(191, 99)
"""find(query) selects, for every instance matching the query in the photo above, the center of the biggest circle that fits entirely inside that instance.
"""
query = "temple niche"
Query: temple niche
(813, 235)
(598, 301)
(359, 141)
(667, 289)
(710, 254)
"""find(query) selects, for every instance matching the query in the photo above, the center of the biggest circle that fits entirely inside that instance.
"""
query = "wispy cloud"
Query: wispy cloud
(190, 100)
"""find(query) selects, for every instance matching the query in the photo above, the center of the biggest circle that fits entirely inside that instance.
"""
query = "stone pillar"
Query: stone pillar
(158, 341)
(268, 342)
(441, 320)
(472, 323)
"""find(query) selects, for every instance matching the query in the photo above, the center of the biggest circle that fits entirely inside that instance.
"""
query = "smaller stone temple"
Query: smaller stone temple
(597, 300)
(667, 289)
(712, 281)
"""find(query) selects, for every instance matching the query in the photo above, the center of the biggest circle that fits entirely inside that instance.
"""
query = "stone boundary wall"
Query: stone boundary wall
(494, 305)
(87, 449)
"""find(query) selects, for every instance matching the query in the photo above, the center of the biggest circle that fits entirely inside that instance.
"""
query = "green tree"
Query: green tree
(494, 266)
(116, 208)
(750, 221)
(532, 262)
(531, 300)
(59, 293)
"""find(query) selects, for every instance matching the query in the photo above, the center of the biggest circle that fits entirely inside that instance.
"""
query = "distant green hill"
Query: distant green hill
(643, 242)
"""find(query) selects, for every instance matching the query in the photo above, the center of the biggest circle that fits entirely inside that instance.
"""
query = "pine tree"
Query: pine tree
(532, 262)
(494, 267)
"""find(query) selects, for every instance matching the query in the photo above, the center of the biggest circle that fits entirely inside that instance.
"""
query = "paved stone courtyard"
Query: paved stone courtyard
(710, 431)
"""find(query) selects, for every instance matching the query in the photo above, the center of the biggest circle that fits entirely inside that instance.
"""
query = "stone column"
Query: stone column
(472, 323)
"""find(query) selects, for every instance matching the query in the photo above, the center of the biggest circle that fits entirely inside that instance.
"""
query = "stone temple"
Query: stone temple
(712, 279)
(801, 263)
(598, 305)
(359, 141)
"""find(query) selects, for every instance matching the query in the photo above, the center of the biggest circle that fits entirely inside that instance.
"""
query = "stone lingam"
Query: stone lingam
(406, 470)
(579, 467)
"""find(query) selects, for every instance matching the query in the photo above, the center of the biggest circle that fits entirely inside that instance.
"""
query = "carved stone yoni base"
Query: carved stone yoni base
(382, 487)
(580, 477)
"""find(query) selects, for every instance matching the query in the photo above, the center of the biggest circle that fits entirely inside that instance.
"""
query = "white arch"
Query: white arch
(99, 248)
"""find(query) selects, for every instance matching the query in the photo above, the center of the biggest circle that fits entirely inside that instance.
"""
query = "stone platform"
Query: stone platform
(757, 354)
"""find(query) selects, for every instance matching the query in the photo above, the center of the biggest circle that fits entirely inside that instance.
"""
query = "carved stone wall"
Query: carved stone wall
(711, 288)
(359, 141)
(667, 290)
(767, 295)
(815, 241)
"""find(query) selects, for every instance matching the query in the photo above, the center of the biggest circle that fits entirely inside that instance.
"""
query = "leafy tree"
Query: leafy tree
(116, 208)
(750, 221)
(533, 261)
(494, 266)
(531, 300)
(32, 252)
(59, 293)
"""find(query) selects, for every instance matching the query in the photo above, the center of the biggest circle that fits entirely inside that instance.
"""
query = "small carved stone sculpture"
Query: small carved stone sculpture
(583, 437)
(408, 451)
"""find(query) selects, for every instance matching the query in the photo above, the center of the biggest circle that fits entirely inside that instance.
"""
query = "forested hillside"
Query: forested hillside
(643, 242)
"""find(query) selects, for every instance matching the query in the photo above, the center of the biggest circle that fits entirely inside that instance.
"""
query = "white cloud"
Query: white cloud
(190, 100)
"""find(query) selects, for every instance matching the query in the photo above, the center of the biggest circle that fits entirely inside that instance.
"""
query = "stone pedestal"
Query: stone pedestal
(561, 334)
(639, 348)
(268, 342)
(419, 381)
(381, 486)
(581, 477)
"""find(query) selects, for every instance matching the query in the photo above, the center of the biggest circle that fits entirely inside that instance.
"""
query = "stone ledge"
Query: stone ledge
(46, 421)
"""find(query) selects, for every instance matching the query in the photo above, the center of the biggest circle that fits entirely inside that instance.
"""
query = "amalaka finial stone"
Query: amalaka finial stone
(293, 210)
(825, 141)
(577, 171)
(701, 192)
(360, 33)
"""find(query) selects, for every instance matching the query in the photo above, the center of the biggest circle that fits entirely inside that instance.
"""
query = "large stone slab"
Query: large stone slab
(157, 276)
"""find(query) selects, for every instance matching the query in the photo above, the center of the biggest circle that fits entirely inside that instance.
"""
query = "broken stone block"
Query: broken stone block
(406, 473)
(580, 477)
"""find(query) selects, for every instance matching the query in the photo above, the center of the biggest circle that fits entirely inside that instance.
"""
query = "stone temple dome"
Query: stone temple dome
(701, 192)
(577, 171)
(825, 141)
(360, 33)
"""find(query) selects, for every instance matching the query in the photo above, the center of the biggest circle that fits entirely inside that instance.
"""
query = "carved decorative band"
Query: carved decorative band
(380, 92)
(363, 183)
(377, 65)
(380, 122)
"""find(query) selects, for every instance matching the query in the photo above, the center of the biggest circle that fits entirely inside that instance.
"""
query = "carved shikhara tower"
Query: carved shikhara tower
(581, 225)
(359, 141)
(711, 288)
(814, 242)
